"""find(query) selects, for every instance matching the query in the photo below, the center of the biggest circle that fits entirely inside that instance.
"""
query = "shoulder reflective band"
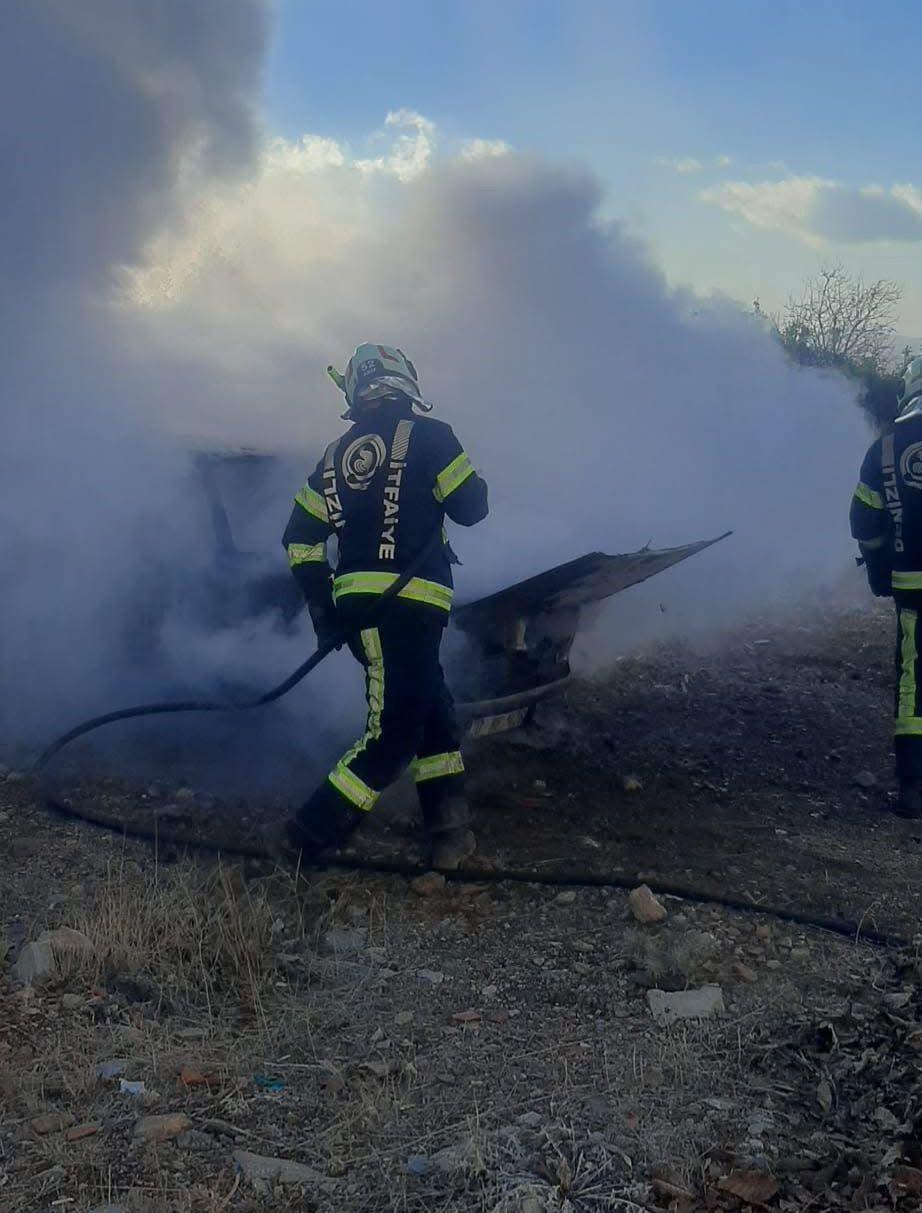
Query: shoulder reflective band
(869, 497)
(310, 500)
(907, 581)
(416, 590)
(306, 553)
(438, 766)
(452, 477)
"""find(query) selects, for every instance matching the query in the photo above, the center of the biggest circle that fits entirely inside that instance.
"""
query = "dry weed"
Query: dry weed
(196, 938)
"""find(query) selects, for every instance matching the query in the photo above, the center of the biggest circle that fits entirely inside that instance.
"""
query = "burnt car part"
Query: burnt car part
(522, 636)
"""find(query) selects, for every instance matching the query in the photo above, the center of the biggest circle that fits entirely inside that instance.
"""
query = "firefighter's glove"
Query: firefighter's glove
(879, 573)
(326, 624)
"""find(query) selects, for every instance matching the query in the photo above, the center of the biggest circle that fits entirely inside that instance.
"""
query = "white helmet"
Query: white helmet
(912, 382)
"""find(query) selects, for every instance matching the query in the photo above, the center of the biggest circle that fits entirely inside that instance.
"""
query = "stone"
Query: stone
(51, 1122)
(431, 976)
(800, 953)
(566, 898)
(419, 1164)
(866, 780)
(162, 1128)
(109, 1209)
(647, 910)
(745, 972)
(773, 964)
(631, 783)
(79, 1132)
(195, 1139)
(531, 1204)
(262, 1171)
(531, 1120)
(35, 961)
(71, 1002)
(403, 1018)
(898, 1000)
(49, 953)
(16, 777)
(222, 1128)
(668, 1006)
(451, 1158)
(185, 795)
(112, 1069)
(339, 941)
(428, 884)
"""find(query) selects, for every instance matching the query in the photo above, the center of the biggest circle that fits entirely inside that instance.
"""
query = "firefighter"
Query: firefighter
(383, 490)
(886, 519)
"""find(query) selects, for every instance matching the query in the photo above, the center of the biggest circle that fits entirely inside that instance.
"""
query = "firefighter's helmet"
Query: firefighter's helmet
(912, 382)
(376, 373)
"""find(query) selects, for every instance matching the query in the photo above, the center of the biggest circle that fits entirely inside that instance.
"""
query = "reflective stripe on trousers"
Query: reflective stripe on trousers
(905, 580)
(346, 782)
(908, 719)
(438, 766)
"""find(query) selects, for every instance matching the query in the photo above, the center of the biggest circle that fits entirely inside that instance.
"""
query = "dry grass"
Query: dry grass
(196, 939)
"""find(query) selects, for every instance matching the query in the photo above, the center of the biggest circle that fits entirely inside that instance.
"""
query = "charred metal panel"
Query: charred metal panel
(568, 587)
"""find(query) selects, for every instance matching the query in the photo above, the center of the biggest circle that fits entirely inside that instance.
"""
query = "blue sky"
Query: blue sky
(747, 141)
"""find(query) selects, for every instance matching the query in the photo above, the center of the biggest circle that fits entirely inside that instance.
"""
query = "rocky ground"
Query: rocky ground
(179, 1033)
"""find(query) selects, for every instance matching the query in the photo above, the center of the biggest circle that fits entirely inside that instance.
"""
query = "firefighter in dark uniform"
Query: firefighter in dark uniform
(886, 519)
(383, 491)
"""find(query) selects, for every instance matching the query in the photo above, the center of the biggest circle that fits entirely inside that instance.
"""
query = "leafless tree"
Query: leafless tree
(842, 319)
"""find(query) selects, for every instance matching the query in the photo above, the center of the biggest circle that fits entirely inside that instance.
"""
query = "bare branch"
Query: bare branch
(840, 319)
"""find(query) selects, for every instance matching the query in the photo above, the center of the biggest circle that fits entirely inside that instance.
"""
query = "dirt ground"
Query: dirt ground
(491, 1046)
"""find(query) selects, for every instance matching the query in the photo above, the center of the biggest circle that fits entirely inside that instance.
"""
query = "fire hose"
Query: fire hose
(857, 931)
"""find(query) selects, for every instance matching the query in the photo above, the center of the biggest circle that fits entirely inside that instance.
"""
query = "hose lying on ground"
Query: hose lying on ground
(855, 931)
(245, 705)
(838, 926)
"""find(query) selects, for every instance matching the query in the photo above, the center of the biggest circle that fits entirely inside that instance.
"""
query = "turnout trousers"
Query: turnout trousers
(411, 723)
(908, 699)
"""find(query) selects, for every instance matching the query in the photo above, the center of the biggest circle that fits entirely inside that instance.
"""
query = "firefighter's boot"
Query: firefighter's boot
(909, 801)
(323, 823)
(449, 835)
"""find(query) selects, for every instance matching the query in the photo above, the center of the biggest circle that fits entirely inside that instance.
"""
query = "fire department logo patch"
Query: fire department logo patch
(362, 459)
(911, 466)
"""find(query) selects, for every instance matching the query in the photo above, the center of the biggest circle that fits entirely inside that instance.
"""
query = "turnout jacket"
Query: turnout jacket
(382, 490)
(886, 511)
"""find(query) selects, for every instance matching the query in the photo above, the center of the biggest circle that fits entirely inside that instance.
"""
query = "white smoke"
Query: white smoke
(101, 104)
(605, 409)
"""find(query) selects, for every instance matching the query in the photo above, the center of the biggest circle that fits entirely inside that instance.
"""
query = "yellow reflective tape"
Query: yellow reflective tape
(354, 789)
(416, 590)
(309, 499)
(371, 643)
(906, 706)
(306, 553)
(452, 477)
(907, 581)
(872, 545)
(910, 726)
(438, 766)
(869, 497)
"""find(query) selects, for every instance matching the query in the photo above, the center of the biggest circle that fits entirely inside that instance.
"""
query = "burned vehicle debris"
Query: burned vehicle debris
(516, 642)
